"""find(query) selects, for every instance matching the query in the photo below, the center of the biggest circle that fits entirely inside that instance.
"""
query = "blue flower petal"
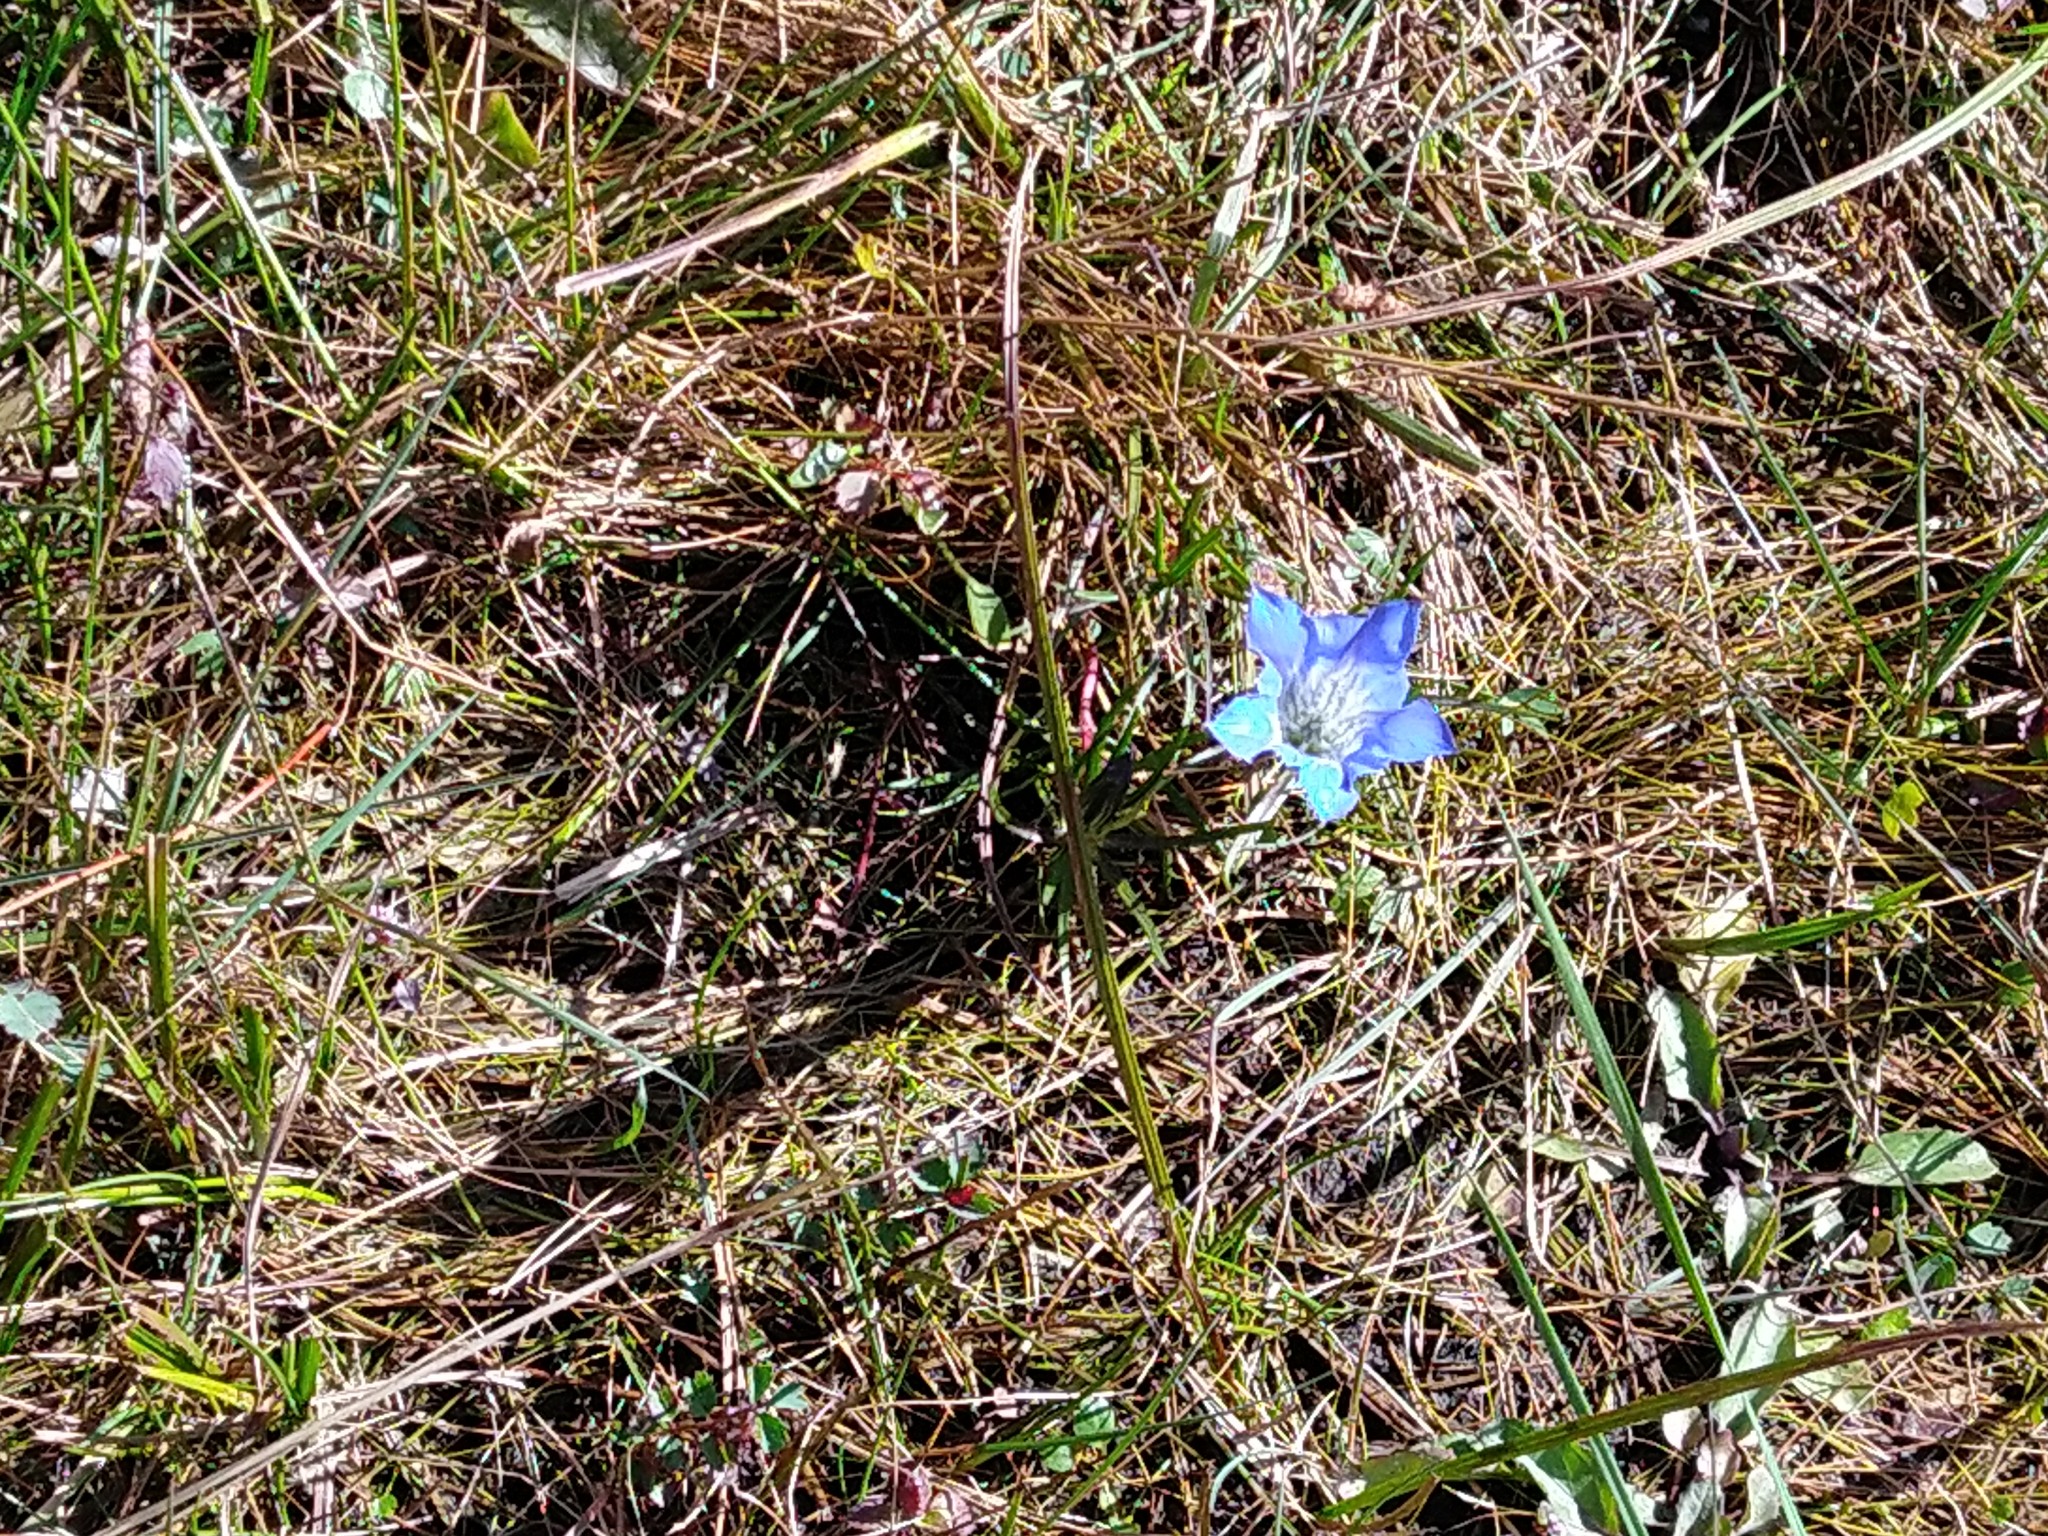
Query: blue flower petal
(1385, 636)
(1370, 757)
(1332, 634)
(1323, 786)
(1246, 726)
(1275, 629)
(1415, 734)
(1385, 687)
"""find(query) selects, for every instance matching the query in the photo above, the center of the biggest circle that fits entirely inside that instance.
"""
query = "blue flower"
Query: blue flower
(1332, 702)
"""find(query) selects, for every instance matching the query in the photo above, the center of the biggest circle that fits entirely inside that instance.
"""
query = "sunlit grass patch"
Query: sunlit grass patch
(550, 975)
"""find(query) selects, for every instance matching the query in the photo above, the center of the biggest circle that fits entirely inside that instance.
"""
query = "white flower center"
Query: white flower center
(1325, 711)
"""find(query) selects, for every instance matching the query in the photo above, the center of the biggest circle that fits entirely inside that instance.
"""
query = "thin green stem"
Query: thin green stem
(1079, 845)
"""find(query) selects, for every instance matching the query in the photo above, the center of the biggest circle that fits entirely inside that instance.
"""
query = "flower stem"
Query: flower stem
(1079, 845)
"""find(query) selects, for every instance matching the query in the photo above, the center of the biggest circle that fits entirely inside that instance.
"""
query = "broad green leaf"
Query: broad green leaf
(590, 35)
(1749, 1230)
(188, 139)
(1600, 1163)
(28, 1013)
(1734, 1212)
(1764, 1335)
(1576, 1498)
(1362, 897)
(1713, 979)
(1095, 1418)
(1698, 1510)
(366, 85)
(1901, 808)
(501, 129)
(1763, 1503)
(1901, 1158)
(701, 1395)
(205, 644)
(367, 90)
(1846, 1387)
(827, 457)
(1686, 1048)
(2015, 984)
(1536, 708)
(1988, 1240)
(31, 1015)
(986, 613)
(1763, 1236)
(1371, 550)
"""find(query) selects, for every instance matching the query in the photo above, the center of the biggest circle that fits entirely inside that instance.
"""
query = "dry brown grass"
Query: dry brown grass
(586, 962)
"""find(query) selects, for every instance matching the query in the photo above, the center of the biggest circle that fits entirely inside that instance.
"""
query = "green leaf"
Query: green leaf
(1988, 1240)
(206, 643)
(1095, 1418)
(368, 92)
(1536, 708)
(1846, 1387)
(1698, 1509)
(502, 130)
(1388, 1477)
(1901, 808)
(1901, 1158)
(1686, 1048)
(1425, 440)
(1362, 897)
(2015, 984)
(1371, 550)
(701, 1395)
(986, 613)
(1764, 1335)
(1600, 1163)
(228, 1396)
(1770, 941)
(1749, 1231)
(1889, 1324)
(1713, 980)
(29, 1013)
(366, 86)
(589, 35)
(827, 457)
(1576, 1497)
(189, 139)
